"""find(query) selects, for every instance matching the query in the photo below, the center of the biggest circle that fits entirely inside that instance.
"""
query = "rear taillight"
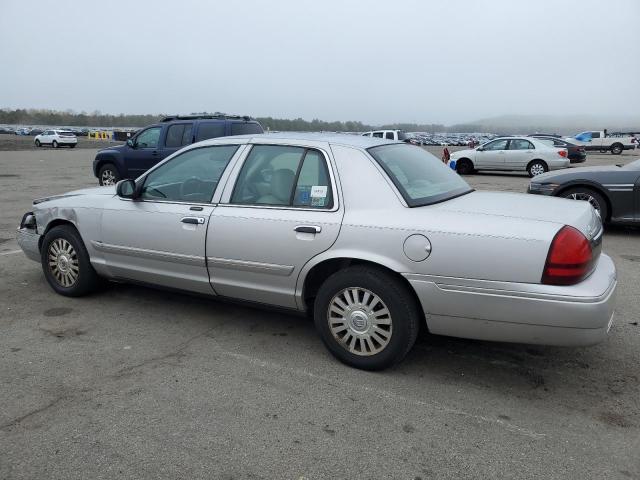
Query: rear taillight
(562, 153)
(570, 258)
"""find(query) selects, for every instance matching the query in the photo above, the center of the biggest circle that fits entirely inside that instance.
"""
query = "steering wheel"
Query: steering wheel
(190, 186)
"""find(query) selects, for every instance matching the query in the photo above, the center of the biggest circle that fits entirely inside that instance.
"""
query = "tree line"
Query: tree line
(70, 118)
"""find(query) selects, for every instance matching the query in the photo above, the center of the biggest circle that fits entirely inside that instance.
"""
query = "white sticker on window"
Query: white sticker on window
(318, 191)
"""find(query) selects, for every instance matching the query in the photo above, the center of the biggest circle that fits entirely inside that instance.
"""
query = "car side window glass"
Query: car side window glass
(208, 130)
(496, 145)
(595, 134)
(389, 135)
(187, 134)
(148, 138)
(190, 177)
(520, 144)
(249, 128)
(377, 134)
(174, 135)
(268, 176)
(313, 188)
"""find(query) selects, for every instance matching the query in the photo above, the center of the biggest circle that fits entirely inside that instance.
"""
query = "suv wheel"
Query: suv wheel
(108, 175)
(366, 317)
(54, 144)
(464, 166)
(66, 264)
(616, 148)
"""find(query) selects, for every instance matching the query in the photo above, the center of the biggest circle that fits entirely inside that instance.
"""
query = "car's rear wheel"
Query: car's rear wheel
(617, 148)
(537, 167)
(108, 175)
(366, 317)
(596, 200)
(66, 263)
(464, 166)
(54, 144)
(73, 145)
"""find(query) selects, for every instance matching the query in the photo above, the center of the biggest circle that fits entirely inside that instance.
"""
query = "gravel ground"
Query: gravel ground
(137, 383)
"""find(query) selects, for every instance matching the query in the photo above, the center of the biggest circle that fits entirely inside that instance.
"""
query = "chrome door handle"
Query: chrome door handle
(308, 229)
(193, 220)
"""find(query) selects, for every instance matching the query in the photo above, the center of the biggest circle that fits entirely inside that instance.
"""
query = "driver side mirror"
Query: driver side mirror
(130, 143)
(126, 189)
(480, 149)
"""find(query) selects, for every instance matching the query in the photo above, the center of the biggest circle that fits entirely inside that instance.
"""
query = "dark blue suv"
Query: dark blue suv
(154, 143)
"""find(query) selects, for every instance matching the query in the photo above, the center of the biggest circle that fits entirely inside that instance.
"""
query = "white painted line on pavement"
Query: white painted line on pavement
(11, 252)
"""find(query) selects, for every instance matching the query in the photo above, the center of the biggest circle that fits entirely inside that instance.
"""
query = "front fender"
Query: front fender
(109, 156)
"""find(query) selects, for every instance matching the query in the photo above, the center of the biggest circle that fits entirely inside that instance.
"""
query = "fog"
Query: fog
(402, 61)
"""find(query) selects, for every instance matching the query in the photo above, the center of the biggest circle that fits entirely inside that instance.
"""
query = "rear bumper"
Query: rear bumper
(29, 242)
(577, 315)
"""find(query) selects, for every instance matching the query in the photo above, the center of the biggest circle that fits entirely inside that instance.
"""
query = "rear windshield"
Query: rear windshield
(421, 178)
(402, 136)
(246, 128)
(66, 134)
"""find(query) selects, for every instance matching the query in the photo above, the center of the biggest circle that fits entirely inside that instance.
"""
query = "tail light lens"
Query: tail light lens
(562, 153)
(570, 259)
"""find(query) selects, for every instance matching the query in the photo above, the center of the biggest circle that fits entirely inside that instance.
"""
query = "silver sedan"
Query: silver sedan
(376, 239)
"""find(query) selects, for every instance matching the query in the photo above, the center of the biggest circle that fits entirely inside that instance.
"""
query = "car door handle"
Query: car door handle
(308, 229)
(155, 153)
(193, 220)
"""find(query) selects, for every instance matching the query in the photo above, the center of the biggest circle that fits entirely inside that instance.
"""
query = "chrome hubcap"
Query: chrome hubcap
(108, 178)
(63, 262)
(537, 169)
(360, 321)
(585, 197)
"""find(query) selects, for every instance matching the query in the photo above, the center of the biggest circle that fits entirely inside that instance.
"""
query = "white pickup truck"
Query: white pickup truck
(601, 141)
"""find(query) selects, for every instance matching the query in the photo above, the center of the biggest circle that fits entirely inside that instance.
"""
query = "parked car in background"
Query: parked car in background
(510, 153)
(599, 140)
(576, 153)
(375, 239)
(152, 144)
(397, 135)
(56, 138)
(613, 190)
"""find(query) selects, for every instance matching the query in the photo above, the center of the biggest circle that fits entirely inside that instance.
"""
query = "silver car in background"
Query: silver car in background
(376, 239)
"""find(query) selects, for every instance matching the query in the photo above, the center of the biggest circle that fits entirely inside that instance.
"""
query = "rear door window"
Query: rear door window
(245, 128)
(210, 130)
(178, 135)
(389, 136)
(520, 144)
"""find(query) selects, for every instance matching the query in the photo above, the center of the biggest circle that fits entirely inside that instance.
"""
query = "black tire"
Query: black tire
(86, 279)
(617, 148)
(537, 167)
(600, 205)
(54, 144)
(38, 144)
(405, 317)
(73, 145)
(464, 166)
(108, 174)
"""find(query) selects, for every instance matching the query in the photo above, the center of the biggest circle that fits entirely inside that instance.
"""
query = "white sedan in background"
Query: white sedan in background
(56, 138)
(510, 153)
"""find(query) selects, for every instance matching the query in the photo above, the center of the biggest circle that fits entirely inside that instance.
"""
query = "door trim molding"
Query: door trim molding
(149, 254)
(249, 266)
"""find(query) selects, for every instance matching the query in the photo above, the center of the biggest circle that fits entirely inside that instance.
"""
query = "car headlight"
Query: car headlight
(545, 188)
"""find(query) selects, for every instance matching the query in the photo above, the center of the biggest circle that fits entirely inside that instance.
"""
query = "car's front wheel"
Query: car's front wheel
(596, 200)
(66, 264)
(464, 166)
(38, 144)
(108, 175)
(54, 144)
(537, 167)
(366, 317)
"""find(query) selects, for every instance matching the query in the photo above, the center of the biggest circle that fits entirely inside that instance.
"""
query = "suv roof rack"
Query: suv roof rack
(213, 116)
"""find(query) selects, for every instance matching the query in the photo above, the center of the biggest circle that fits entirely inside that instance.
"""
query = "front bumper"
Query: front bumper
(574, 315)
(29, 242)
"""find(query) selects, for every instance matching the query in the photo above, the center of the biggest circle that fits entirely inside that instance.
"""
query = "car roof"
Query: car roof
(350, 140)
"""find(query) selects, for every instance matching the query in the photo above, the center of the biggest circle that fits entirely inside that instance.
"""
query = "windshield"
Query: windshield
(420, 177)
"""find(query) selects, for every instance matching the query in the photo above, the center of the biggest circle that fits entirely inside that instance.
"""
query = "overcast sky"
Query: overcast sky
(414, 61)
